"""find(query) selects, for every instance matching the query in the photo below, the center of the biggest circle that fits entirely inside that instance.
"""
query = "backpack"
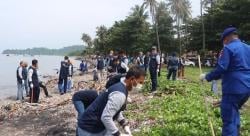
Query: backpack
(113, 80)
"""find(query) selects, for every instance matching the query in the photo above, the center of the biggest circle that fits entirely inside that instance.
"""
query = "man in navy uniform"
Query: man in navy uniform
(98, 119)
(234, 69)
(154, 64)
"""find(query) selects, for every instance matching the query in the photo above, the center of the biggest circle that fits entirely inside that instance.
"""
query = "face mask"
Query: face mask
(137, 88)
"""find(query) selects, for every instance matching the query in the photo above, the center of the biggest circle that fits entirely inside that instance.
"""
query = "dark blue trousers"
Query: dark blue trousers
(230, 105)
(153, 76)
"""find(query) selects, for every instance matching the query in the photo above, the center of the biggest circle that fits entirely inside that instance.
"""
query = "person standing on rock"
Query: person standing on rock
(63, 76)
(99, 117)
(20, 81)
(34, 82)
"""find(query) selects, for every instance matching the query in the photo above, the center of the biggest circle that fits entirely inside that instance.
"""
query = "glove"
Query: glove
(203, 77)
(158, 70)
(125, 135)
(31, 85)
(22, 82)
(127, 130)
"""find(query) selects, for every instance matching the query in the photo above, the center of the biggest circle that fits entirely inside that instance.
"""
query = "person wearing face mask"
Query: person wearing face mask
(99, 117)
(34, 82)
(233, 67)
(154, 65)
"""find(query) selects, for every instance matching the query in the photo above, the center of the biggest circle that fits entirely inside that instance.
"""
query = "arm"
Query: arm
(20, 70)
(126, 61)
(30, 73)
(158, 59)
(221, 67)
(114, 104)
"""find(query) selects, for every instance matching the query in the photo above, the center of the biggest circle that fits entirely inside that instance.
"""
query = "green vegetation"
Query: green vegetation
(179, 110)
(71, 50)
(173, 27)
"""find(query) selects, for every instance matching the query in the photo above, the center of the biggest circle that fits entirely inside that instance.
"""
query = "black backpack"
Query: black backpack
(113, 80)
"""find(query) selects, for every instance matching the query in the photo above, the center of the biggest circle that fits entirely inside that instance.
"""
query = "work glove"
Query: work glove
(31, 86)
(125, 135)
(158, 70)
(22, 82)
(127, 130)
(203, 77)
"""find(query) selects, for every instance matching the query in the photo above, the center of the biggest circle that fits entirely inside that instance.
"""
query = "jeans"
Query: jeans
(230, 105)
(172, 72)
(63, 81)
(79, 106)
(153, 75)
(20, 89)
(82, 132)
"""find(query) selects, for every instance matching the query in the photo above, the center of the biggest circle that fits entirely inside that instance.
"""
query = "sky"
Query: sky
(59, 23)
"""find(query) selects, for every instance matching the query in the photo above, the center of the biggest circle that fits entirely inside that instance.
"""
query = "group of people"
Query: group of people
(28, 79)
(97, 112)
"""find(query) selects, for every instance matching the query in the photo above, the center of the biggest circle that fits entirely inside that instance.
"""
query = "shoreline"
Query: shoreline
(51, 116)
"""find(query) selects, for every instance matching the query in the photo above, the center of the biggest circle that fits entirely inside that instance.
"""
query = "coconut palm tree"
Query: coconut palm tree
(139, 13)
(152, 5)
(181, 10)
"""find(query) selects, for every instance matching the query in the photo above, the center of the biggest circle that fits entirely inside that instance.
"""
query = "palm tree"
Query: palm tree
(152, 4)
(139, 13)
(181, 11)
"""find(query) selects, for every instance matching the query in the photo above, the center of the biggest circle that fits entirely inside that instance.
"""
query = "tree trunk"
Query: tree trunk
(203, 29)
(158, 40)
(179, 35)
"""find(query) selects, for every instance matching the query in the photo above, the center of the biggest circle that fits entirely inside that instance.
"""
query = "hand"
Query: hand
(127, 130)
(158, 71)
(22, 82)
(203, 77)
(31, 85)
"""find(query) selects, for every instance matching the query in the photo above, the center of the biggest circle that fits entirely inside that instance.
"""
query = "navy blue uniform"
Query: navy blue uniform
(172, 67)
(234, 69)
(63, 76)
(153, 67)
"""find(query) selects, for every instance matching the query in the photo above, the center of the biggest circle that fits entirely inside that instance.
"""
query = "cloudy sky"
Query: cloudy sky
(59, 23)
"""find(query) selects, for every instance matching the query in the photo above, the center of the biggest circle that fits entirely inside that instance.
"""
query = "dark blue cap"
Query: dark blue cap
(228, 31)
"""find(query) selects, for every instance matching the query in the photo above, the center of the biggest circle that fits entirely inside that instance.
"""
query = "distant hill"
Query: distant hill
(45, 51)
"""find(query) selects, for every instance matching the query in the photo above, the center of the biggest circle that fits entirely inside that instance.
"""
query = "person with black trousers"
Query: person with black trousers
(34, 82)
(172, 66)
(63, 75)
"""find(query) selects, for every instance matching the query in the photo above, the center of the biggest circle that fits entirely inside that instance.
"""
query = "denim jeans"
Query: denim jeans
(20, 89)
(79, 106)
(82, 132)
